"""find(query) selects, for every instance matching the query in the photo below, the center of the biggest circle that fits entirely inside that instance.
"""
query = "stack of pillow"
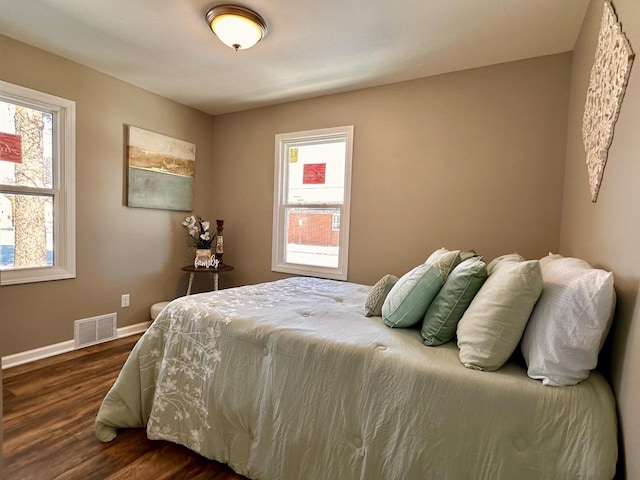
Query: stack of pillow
(557, 309)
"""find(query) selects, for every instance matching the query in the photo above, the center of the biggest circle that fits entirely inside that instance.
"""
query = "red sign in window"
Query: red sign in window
(314, 173)
(10, 147)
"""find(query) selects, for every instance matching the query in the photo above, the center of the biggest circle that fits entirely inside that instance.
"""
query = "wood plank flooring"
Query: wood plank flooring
(49, 409)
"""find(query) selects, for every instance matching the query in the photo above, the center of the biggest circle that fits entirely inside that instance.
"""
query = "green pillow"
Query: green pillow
(492, 326)
(409, 298)
(446, 310)
(373, 305)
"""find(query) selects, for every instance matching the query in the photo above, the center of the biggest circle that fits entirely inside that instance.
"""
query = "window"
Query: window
(37, 186)
(335, 222)
(311, 202)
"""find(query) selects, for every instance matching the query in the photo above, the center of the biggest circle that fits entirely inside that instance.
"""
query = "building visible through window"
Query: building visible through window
(312, 197)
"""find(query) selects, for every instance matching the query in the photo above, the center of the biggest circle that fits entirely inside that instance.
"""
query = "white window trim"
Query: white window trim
(64, 231)
(335, 228)
(278, 263)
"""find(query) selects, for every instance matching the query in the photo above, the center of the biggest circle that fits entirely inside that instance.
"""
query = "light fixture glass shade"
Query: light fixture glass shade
(237, 27)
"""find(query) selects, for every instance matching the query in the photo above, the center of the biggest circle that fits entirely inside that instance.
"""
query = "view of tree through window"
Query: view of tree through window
(26, 178)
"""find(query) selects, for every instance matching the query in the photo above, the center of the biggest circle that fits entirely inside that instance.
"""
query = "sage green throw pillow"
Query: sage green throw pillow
(492, 326)
(409, 298)
(453, 299)
(377, 295)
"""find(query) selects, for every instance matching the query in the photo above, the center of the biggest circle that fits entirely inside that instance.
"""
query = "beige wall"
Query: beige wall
(470, 159)
(473, 159)
(607, 233)
(119, 249)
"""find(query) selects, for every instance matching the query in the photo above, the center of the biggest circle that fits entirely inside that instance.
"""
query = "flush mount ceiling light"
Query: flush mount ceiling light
(235, 26)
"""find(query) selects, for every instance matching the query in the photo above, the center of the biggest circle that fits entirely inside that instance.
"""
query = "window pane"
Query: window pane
(316, 172)
(26, 231)
(26, 146)
(311, 237)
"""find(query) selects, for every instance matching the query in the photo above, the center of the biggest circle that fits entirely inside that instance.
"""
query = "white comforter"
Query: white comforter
(289, 380)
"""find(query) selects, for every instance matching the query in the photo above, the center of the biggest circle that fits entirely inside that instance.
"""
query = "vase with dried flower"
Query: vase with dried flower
(202, 238)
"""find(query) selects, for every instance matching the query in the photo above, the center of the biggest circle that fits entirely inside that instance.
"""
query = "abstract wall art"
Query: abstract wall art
(607, 85)
(161, 171)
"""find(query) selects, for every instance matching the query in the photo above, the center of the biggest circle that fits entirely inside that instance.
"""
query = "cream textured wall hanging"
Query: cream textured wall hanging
(609, 76)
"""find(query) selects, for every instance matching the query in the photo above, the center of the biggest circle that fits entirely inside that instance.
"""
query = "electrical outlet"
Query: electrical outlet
(124, 300)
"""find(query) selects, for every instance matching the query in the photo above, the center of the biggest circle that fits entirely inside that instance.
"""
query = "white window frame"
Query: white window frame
(278, 263)
(335, 225)
(63, 188)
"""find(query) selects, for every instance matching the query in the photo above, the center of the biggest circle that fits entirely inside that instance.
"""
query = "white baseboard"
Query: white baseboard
(133, 329)
(63, 347)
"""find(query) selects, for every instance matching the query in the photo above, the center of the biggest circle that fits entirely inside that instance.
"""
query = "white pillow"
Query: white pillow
(544, 261)
(569, 323)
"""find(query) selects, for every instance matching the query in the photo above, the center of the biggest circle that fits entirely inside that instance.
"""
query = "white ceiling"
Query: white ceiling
(312, 48)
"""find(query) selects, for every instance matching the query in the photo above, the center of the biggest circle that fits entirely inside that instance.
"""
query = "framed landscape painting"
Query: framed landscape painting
(161, 170)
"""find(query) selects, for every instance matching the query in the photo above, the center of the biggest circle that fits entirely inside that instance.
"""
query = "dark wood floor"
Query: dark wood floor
(49, 409)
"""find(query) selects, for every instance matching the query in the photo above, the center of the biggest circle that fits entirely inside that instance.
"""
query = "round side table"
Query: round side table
(215, 271)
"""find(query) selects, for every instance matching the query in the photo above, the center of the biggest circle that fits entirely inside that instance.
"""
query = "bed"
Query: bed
(289, 380)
